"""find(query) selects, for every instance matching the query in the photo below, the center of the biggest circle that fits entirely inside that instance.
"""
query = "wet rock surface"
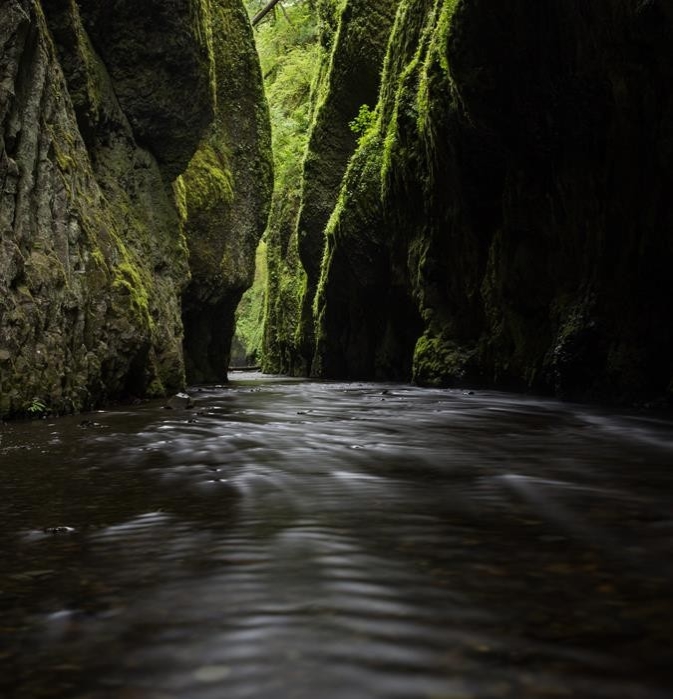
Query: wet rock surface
(101, 108)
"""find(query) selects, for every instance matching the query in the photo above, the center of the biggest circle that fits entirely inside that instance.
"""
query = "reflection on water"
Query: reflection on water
(323, 540)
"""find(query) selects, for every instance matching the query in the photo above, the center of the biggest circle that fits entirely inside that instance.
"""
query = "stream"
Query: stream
(289, 539)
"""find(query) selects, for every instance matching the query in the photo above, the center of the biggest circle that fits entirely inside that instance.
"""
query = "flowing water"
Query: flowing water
(304, 540)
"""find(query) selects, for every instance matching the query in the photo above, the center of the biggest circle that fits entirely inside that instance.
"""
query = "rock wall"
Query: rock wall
(351, 82)
(99, 111)
(354, 37)
(505, 220)
(224, 197)
(286, 278)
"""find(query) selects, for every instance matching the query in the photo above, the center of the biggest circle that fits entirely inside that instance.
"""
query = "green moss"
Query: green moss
(207, 182)
(416, 75)
(119, 263)
(202, 23)
(102, 258)
(369, 230)
(347, 79)
(366, 324)
(45, 269)
(469, 197)
(179, 189)
(98, 257)
(65, 161)
(223, 196)
(439, 362)
(435, 79)
(129, 278)
(285, 287)
(292, 58)
(155, 388)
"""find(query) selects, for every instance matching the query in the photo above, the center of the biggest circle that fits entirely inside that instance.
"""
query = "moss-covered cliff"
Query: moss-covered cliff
(292, 61)
(353, 39)
(506, 219)
(224, 196)
(352, 80)
(99, 110)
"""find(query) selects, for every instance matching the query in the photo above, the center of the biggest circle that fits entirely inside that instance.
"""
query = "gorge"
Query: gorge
(442, 230)
(499, 218)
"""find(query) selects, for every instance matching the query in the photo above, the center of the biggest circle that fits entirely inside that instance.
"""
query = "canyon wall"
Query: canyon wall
(505, 220)
(354, 36)
(224, 197)
(101, 109)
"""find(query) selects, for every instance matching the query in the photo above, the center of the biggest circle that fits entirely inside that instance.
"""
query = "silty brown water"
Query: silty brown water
(295, 539)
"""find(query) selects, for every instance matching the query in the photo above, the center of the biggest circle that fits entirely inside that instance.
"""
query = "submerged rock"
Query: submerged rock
(59, 530)
(180, 401)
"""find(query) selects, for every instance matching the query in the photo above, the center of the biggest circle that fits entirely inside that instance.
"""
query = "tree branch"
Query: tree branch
(264, 12)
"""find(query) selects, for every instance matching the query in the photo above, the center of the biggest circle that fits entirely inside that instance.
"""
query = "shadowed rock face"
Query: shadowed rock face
(159, 55)
(224, 197)
(100, 108)
(353, 80)
(507, 219)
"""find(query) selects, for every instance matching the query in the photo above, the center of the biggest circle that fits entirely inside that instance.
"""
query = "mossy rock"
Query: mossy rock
(440, 362)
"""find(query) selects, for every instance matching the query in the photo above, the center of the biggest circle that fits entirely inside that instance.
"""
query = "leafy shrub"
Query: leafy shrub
(363, 121)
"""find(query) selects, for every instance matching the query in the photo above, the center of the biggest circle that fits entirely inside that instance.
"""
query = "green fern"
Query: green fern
(36, 407)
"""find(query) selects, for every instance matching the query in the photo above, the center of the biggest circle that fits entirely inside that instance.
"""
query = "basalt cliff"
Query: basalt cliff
(135, 177)
(506, 218)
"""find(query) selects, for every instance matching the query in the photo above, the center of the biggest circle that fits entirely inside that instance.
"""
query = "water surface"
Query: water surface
(293, 539)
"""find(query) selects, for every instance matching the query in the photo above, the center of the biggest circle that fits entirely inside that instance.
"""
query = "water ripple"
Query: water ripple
(291, 539)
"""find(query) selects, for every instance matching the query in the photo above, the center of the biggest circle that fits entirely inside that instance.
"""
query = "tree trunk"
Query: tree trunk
(264, 11)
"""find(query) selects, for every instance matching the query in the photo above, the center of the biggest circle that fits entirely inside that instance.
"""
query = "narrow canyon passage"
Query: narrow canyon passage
(286, 538)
